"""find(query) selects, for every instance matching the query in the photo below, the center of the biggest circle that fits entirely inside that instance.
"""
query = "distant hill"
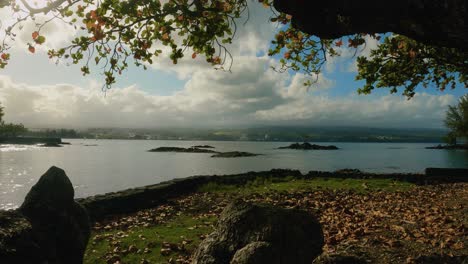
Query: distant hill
(274, 133)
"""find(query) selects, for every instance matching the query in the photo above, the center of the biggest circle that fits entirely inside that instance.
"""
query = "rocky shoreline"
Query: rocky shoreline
(205, 149)
(135, 199)
(464, 147)
(29, 140)
(51, 201)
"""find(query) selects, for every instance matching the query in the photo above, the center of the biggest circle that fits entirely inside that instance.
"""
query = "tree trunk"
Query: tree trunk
(434, 22)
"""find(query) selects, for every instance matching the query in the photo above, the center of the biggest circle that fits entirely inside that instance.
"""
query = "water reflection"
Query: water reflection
(118, 164)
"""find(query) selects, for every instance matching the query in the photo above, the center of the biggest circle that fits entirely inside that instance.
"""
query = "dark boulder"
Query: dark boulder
(249, 233)
(60, 226)
(255, 252)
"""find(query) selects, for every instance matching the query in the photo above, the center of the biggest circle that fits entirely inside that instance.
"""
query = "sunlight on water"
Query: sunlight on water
(100, 166)
(9, 147)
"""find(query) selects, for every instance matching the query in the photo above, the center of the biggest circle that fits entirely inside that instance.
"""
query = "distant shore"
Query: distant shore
(29, 140)
(456, 146)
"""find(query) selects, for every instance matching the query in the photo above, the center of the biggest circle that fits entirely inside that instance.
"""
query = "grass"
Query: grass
(154, 244)
(262, 185)
(173, 240)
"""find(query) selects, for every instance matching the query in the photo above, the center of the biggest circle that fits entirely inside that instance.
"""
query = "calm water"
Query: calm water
(119, 164)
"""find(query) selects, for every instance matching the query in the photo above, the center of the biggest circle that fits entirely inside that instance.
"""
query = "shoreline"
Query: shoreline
(140, 198)
(175, 216)
(257, 141)
(29, 140)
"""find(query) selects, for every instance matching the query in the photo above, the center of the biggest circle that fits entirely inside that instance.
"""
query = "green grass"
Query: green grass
(175, 231)
(261, 185)
(104, 244)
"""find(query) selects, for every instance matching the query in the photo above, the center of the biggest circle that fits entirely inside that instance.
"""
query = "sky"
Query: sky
(39, 93)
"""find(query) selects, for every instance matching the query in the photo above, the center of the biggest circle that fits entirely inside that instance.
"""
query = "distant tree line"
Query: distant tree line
(55, 133)
(10, 129)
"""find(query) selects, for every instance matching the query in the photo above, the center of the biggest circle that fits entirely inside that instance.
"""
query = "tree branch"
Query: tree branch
(46, 9)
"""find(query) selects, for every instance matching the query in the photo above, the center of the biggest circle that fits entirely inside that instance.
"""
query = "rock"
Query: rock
(184, 150)
(60, 226)
(340, 259)
(255, 252)
(202, 146)
(52, 145)
(234, 154)
(249, 233)
(308, 146)
(16, 242)
(458, 146)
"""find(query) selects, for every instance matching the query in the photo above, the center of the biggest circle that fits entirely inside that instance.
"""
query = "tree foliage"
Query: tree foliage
(457, 119)
(113, 34)
(403, 62)
(10, 129)
(1, 114)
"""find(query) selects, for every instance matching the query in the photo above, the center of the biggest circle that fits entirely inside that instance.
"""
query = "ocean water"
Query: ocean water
(101, 166)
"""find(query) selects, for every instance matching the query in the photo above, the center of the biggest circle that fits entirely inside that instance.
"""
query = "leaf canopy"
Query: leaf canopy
(113, 34)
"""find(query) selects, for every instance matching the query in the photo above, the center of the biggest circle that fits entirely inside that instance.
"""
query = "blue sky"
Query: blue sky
(39, 93)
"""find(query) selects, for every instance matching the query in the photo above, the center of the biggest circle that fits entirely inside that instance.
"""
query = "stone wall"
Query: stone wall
(132, 200)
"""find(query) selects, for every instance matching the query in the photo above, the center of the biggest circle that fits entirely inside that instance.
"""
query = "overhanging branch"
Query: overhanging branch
(434, 22)
(46, 9)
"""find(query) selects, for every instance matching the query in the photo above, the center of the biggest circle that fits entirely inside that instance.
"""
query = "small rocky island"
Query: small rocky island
(203, 146)
(194, 149)
(234, 154)
(51, 145)
(183, 150)
(308, 146)
(457, 146)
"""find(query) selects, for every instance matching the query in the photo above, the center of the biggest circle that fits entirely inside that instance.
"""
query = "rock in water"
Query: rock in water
(60, 225)
(250, 234)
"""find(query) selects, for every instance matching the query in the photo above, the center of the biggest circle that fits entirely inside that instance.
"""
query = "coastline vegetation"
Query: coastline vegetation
(9, 130)
(456, 120)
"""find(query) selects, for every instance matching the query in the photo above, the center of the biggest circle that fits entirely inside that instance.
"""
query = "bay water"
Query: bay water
(101, 166)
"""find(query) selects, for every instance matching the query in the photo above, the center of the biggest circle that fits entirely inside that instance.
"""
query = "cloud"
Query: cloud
(57, 33)
(213, 100)
(424, 110)
(251, 94)
(253, 35)
(296, 88)
(347, 61)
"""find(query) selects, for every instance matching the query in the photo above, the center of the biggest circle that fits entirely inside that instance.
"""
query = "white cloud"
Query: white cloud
(212, 100)
(251, 94)
(253, 35)
(296, 88)
(347, 61)
(424, 110)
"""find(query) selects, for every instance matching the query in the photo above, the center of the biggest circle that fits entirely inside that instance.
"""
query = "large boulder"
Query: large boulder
(60, 226)
(248, 233)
